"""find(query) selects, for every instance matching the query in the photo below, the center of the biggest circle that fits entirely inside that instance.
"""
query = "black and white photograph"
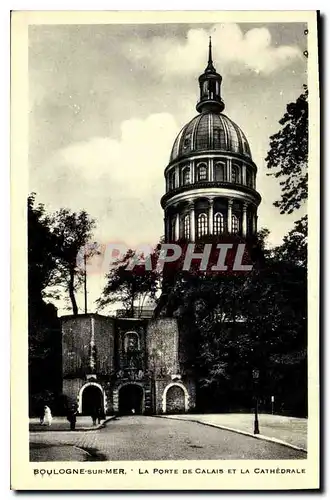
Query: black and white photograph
(171, 182)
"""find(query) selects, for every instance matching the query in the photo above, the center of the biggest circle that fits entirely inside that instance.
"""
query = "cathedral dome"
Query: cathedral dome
(210, 131)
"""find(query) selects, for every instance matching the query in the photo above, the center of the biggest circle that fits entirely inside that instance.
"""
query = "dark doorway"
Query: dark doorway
(175, 400)
(130, 399)
(92, 398)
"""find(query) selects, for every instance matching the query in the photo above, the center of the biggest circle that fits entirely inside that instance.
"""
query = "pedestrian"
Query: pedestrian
(47, 418)
(72, 417)
(94, 415)
(100, 415)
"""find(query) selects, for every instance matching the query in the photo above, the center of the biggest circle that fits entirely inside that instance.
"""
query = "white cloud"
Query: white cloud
(119, 182)
(233, 52)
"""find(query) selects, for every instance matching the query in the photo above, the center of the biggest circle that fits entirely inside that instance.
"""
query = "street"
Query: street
(152, 438)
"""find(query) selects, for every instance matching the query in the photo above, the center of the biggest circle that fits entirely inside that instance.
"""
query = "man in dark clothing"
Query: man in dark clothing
(94, 415)
(72, 417)
(100, 415)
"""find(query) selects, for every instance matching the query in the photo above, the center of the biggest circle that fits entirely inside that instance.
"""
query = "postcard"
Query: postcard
(165, 214)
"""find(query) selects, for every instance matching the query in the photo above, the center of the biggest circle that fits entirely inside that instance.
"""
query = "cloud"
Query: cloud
(119, 182)
(234, 52)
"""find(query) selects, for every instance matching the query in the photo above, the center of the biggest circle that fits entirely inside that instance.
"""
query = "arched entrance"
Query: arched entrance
(130, 398)
(91, 399)
(175, 399)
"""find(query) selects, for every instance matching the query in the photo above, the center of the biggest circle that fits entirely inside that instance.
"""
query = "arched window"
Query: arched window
(201, 225)
(172, 180)
(219, 172)
(234, 224)
(186, 176)
(186, 227)
(131, 342)
(218, 223)
(234, 174)
(201, 172)
(212, 89)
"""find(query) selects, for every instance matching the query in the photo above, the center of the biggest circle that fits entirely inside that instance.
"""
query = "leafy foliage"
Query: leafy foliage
(41, 250)
(72, 232)
(129, 287)
(288, 155)
(294, 247)
(234, 324)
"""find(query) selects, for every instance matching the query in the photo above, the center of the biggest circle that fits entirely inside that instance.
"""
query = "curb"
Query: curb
(81, 429)
(238, 431)
(104, 423)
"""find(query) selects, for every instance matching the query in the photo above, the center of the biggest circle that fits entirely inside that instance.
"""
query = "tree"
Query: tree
(288, 155)
(72, 232)
(129, 287)
(232, 324)
(43, 324)
(41, 250)
(294, 246)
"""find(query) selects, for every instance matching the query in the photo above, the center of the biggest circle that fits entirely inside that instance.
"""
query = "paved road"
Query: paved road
(152, 438)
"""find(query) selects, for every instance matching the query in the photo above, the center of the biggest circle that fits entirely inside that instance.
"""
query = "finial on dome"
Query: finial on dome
(210, 66)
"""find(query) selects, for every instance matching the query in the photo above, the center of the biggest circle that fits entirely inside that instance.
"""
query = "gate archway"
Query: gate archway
(175, 399)
(131, 399)
(91, 398)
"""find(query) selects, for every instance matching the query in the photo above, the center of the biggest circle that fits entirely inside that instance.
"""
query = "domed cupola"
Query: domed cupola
(211, 177)
(210, 88)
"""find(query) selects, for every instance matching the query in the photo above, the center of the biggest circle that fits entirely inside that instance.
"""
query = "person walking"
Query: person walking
(100, 415)
(94, 415)
(72, 417)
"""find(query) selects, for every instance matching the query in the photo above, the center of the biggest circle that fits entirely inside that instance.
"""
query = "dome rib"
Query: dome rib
(210, 131)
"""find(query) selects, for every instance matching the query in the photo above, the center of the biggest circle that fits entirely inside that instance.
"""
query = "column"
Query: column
(211, 202)
(209, 169)
(192, 222)
(244, 174)
(244, 220)
(229, 170)
(177, 176)
(229, 215)
(192, 172)
(177, 226)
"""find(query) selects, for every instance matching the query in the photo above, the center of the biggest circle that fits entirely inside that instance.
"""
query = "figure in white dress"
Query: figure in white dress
(47, 420)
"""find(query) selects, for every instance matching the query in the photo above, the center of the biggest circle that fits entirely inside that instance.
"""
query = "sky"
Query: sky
(106, 103)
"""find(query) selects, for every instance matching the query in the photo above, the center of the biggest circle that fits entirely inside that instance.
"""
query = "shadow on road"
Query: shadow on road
(42, 452)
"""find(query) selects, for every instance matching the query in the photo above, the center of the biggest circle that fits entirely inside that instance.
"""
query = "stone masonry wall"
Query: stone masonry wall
(76, 333)
(162, 346)
(76, 337)
(104, 341)
(71, 388)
